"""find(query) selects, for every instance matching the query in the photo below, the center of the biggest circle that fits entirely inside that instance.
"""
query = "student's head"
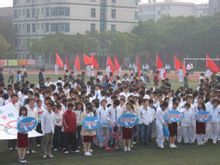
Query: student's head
(14, 98)
(31, 103)
(116, 103)
(104, 102)
(79, 106)
(23, 111)
(56, 109)
(201, 105)
(39, 103)
(70, 106)
(49, 105)
(187, 106)
(164, 105)
(129, 106)
(146, 103)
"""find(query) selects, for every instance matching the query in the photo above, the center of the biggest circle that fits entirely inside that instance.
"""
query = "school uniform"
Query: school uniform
(22, 137)
(160, 122)
(200, 130)
(215, 124)
(57, 132)
(187, 126)
(146, 116)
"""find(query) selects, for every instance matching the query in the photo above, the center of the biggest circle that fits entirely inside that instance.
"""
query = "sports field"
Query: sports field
(141, 155)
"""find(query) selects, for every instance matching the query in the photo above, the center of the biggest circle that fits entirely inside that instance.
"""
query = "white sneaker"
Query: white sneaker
(27, 152)
(87, 153)
(11, 149)
(44, 156)
(33, 152)
(125, 149)
(66, 152)
(91, 150)
(173, 146)
(77, 151)
(214, 141)
(134, 143)
(50, 156)
(38, 145)
(129, 149)
(55, 149)
(162, 146)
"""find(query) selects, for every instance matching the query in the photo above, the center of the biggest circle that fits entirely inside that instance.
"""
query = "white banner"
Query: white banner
(8, 123)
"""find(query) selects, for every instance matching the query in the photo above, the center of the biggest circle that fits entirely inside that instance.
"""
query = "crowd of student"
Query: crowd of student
(61, 106)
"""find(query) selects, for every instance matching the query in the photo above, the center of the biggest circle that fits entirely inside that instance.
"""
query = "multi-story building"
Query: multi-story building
(214, 6)
(156, 10)
(37, 18)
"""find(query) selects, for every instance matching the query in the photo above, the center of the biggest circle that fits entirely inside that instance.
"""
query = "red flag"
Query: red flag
(94, 62)
(117, 65)
(110, 64)
(77, 63)
(210, 64)
(138, 65)
(159, 62)
(178, 64)
(67, 62)
(87, 60)
(59, 61)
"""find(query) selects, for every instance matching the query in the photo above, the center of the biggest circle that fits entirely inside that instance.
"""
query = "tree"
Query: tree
(4, 45)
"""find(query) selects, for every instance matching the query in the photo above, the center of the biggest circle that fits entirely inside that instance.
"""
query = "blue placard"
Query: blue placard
(91, 123)
(27, 124)
(128, 120)
(203, 116)
(166, 131)
(174, 116)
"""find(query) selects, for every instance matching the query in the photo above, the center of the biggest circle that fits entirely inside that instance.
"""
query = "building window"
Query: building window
(60, 27)
(33, 13)
(28, 28)
(60, 11)
(136, 15)
(92, 27)
(15, 14)
(93, 12)
(113, 13)
(47, 27)
(33, 28)
(113, 28)
(47, 12)
(28, 13)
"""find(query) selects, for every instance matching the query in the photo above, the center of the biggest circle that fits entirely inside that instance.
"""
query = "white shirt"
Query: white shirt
(146, 115)
(102, 114)
(189, 117)
(48, 122)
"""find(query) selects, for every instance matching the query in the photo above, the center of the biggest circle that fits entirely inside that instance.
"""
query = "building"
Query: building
(214, 6)
(37, 18)
(155, 11)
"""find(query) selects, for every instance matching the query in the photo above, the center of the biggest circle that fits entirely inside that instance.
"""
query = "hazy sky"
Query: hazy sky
(4, 3)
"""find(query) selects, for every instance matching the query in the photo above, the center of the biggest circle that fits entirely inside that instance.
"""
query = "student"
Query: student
(127, 132)
(200, 126)
(40, 110)
(87, 135)
(160, 123)
(22, 137)
(32, 112)
(102, 116)
(173, 126)
(187, 124)
(78, 111)
(69, 123)
(58, 126)
(48, 126)
(215, 122)
(145, 115)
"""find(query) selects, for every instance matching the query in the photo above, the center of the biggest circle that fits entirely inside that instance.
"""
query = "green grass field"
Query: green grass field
(141, 155)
